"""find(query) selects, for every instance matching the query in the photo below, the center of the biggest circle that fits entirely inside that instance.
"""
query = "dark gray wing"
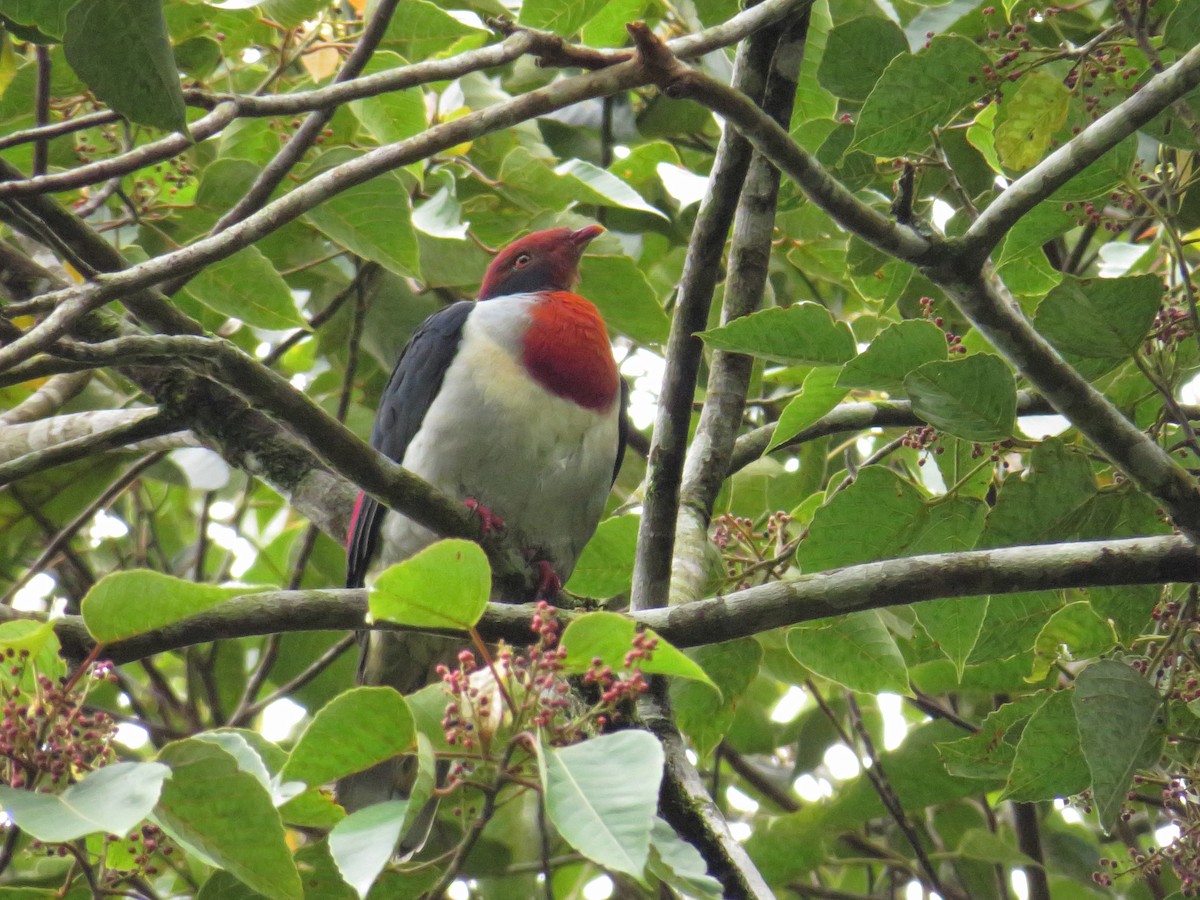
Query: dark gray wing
(410, 391)
(622, 429)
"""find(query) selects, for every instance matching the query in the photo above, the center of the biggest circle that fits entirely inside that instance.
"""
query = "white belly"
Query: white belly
(542, 463)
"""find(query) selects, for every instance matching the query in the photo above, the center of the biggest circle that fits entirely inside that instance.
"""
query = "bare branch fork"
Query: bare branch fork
(875, 585)
(957, 266)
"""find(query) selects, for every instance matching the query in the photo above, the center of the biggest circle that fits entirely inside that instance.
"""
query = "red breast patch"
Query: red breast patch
(567, 350)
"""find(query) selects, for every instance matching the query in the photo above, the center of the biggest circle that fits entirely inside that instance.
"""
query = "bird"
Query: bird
(512, 404)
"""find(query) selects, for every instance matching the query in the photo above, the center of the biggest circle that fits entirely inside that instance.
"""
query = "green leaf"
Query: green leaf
(803, 334)
(1029, 119)
(1118, 313)
(1121, 719)
(363, 843)
(395, 115)
(446, 585)
(917, 92)
(246, 286)
(989, 753)
(953, 624)
(896, 351)
(609, 636)
(856, 651)
(26, 634)
(820, 393)
(374, 221)
(981, 135)
(703, 714)
(563, 17)
(602, 796)
(122, 604)
(1047, 762)
(605, 187)
(973, 398)
(421, 30)
(857, 53)
(605, 567)
(225, 816)
(624, 298)
(140, 81)
(47, 16)
(1079, 629)
(880, 516)
(113, 799)
(352, 732)
(987, 846)
(679, 864)
(1182, 30)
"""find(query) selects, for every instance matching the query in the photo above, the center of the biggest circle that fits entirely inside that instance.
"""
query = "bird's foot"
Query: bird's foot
(488, 520)
(549, 584)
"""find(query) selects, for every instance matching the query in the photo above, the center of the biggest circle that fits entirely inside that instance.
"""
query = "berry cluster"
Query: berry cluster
(47, 740)
(953, 341)
(746, 551)
(494, 704)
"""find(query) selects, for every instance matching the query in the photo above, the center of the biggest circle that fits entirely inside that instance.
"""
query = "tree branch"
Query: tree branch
(1074, 156)
(999, 319)
(707, 463)
(875, 585)
(682, 82)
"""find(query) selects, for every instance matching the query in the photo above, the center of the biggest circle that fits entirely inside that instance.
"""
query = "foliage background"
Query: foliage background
(968, 725)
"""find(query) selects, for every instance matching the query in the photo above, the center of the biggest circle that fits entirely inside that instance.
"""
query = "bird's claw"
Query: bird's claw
(488, 520)
(549, 584)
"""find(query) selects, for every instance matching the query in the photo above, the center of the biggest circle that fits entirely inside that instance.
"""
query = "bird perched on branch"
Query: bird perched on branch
(512, 404)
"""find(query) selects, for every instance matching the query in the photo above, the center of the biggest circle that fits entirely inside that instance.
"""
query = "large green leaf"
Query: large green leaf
(393, 116)
(123, 604)
(1121, 729)
(602, 795)
(857, 53)
(917, 92)
(857, 651)
(989, 752)
(605, 567)
(113, 799)
(624, 297)
(1100, 318)
(420, 30)
(446, 585)
(246, 286)
(225, 816)
(802, 334)
(362, 843)
(820, 393)
(703, 714)
(609, 636)
(352, 732)
(973, 398)
(1030, 118)
(881, 516)
(1047, 762)
(373, 220)
(47, 16)
(564, 17)
(893, 354)
(138, 80)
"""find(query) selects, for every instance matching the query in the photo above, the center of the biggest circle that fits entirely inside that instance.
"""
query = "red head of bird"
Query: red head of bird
(542, 261)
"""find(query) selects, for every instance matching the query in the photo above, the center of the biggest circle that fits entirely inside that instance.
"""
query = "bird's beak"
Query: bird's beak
(584, 236)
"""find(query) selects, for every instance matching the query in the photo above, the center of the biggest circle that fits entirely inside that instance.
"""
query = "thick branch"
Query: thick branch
(855, 417)
(999, 319)
(668, 444)
(875, 585)
(682, 82)
(707, 462)
(1076, 155)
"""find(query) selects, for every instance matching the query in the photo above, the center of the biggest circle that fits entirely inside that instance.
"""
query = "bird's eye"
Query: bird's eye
(522, 261)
